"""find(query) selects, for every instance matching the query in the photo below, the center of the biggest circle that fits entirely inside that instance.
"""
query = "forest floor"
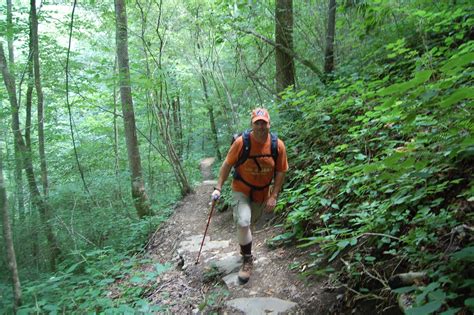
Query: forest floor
(211, 286)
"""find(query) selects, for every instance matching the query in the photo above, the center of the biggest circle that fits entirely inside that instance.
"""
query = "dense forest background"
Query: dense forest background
(107, 108)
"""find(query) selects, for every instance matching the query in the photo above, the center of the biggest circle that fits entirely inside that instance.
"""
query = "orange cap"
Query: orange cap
(260, 114)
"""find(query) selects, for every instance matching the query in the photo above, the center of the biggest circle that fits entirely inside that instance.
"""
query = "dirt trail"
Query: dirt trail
(188, 288)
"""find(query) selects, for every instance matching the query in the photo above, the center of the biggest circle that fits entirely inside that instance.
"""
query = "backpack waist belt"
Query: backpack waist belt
(254, 187)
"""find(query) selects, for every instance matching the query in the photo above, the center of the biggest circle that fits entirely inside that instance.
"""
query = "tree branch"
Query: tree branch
(288, 51)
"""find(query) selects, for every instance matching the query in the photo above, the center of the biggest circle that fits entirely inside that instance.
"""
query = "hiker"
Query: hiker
(254, 170)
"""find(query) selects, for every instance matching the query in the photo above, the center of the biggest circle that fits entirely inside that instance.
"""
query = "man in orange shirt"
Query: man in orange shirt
(252, 178)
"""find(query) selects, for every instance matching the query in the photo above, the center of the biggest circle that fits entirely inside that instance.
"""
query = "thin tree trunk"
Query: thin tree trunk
(163, 119)
(36, 198)
(177, 127)
(7, 236)
(285, 66)
(329, 53)
(139, 195)
(11, 56)
(39, 95)
(68, 104)
(18, 168)
(29, 96)
(116, 138)
(174, 159)
(212, 119)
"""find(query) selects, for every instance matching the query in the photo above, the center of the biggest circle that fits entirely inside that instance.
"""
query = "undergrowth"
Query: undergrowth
(102, 242)
(382, 161)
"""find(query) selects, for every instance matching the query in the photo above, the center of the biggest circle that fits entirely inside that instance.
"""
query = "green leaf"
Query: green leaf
(343, 244)
(106, 281)
(469, 303)
(399, 88)
(73, 267)
(51, 307)
(425, 309)
(405, 289)
(283, 237)
(458, 95)
(465, 254)
(334, 255)
(136, 279)
(455, 64)
(437, 295)
(451, 311)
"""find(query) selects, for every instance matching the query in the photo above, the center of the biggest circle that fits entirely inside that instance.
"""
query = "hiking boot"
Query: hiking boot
(246, 269)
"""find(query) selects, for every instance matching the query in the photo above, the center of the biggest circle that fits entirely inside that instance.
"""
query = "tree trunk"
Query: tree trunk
(138, 188)
(29, 96)
(7, 236)
(11, 56)
(177, 126)
(39, 94)
(118, 190)
(68, 105)
(36, 198)
(18, 169)
(285, 66)
(212, 119)
(331, 31)
(175, 163)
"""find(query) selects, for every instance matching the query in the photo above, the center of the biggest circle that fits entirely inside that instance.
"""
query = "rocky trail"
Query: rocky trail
(211, 286)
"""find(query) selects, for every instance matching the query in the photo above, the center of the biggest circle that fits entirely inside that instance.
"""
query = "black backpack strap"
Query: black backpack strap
(253, 187)
(274, 147)
(244, 154)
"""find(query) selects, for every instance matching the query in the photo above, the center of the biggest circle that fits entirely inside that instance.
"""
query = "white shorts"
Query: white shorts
(245, 212)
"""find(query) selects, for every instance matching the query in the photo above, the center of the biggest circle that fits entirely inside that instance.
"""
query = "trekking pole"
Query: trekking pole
(213, 203)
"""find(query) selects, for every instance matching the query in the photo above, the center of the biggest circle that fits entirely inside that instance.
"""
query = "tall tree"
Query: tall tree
(285, 66)
(11, 56)
(68, 103)
(39, 94)
(11, 60)
(7, 236)
(36, 198)
(138, 188)
(331, 31)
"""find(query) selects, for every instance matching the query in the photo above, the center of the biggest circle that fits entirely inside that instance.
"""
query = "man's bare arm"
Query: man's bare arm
(278, 184)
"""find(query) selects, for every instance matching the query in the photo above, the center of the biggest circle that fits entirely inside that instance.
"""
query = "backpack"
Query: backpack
(245, 155)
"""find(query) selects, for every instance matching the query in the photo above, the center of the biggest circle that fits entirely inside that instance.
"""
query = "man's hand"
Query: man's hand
(216, 194)
(270, 204)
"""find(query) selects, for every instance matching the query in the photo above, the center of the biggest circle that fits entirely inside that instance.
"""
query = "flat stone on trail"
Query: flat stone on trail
(193, 243)
(228, 264)
(209, 182)
(232, 280)
(261, 305)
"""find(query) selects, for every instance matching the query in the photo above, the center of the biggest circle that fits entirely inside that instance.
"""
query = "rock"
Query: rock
(231, 280)
(261, 305)
(228, 264)
(193, 243)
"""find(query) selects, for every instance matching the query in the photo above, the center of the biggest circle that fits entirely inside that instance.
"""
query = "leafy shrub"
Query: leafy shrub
(383, 166)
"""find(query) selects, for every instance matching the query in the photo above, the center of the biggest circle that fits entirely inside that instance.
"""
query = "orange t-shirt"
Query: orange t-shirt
(250, 171)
